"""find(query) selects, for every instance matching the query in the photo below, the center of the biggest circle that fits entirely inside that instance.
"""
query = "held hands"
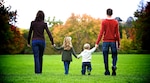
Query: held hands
(54, 45)
(96, 45)
(28, 45)
(78, 57)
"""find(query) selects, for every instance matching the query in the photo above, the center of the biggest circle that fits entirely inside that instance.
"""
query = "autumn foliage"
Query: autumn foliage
(142, 27)
(82, 29)
(12, 41)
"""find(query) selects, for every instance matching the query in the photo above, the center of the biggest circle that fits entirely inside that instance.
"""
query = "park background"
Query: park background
(134, 50)
(134, 32)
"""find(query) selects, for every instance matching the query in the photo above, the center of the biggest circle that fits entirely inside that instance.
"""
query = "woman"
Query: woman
(38, 40)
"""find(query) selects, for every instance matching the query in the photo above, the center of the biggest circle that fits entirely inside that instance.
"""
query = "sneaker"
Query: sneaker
(107, 72)
(114, 71)
(83, 74)
(89, 72)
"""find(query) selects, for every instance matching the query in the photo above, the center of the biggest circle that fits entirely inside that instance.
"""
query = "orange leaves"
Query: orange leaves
(83, 29)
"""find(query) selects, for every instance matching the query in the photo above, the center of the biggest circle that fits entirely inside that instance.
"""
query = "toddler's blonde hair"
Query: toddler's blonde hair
(67, 44)
(86, 46)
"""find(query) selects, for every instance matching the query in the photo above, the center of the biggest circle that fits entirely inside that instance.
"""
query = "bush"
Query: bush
(125, 46)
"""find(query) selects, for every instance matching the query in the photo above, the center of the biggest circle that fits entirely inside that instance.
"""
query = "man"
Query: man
(111, 38)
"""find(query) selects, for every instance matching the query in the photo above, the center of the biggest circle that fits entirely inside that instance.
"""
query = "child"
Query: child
(67, 51)
(86, 58)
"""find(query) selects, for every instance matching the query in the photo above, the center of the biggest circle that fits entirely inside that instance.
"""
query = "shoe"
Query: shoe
(38, 73)
(89, 72)
(107, 72)
(114, 71)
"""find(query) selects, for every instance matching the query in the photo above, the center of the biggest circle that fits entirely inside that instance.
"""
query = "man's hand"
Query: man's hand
(96, 45)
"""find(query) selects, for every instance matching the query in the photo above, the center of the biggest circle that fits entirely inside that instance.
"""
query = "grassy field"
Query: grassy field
(132, 68)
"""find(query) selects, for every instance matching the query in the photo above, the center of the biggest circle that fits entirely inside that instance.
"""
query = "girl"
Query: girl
(67, 51)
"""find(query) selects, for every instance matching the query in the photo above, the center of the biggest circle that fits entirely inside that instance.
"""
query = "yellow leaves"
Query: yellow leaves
(83, 29)
(125, 42)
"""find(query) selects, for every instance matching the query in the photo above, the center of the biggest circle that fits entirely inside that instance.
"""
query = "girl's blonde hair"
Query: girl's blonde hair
(67, 44)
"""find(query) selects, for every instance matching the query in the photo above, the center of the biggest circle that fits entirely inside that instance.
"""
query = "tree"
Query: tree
(82, 29)
(120, 25)
(128, 26)
(142, 26)
(52, 23)
(129, 21)
(11, 40)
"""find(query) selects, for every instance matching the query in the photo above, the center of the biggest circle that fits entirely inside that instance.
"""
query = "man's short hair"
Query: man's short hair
(109, 11)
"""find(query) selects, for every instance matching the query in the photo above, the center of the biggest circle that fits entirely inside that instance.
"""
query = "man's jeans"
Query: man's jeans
(105, 48)
(38, 47)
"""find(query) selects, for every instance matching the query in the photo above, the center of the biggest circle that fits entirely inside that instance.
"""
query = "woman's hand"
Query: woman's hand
(29, 45)
(54, 45)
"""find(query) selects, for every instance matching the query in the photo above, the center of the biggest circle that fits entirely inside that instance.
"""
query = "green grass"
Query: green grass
(132, 68)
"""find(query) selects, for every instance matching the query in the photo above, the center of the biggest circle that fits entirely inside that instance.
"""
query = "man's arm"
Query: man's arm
(100, 33)
(118, 36)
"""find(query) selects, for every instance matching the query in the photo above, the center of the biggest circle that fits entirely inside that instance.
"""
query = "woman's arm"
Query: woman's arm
(30, 33)
(49, 34)
(58, 48)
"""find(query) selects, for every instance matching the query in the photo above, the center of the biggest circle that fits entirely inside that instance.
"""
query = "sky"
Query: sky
(62, 9)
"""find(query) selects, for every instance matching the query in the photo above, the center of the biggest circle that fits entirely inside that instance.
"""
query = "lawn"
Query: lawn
(132, 68)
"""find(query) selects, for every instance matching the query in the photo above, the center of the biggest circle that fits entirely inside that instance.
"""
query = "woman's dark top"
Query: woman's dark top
(38, 31)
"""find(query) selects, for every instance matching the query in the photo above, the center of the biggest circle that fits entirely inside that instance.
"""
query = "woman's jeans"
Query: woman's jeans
(38, 47)
(66, 66)
(105, 48)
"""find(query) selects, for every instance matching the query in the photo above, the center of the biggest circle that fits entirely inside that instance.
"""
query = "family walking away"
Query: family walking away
(111, 39)
(67, 51)
(109, 31)
(37, 27)
(86, 55)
